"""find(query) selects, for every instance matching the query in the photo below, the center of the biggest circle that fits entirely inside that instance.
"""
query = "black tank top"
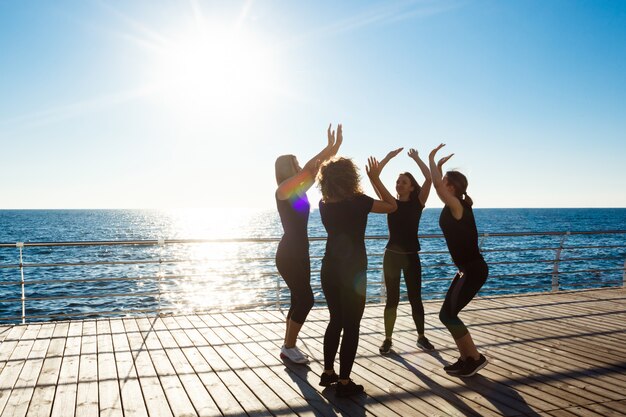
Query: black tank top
(294, 216)
(403, 225)
(461, 235)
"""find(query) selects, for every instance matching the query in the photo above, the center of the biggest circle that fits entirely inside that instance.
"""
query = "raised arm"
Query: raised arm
(425, 190)
(386, 204)
(381, 165)
(304, 179)
(443, 192)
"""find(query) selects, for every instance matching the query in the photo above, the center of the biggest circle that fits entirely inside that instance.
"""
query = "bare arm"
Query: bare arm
(425, 190)
(304, 179)
(442, 191)
(386, 204)
(301, 181)
(381, 165)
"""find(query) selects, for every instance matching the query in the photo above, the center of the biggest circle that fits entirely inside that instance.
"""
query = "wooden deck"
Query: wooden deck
(558, 354)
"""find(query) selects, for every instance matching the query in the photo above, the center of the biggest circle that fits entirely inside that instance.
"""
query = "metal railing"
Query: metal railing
(114, 278)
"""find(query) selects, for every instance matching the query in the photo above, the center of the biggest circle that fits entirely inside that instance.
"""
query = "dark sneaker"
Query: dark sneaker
(327, 380)
(471, 366)
(454, 368)
(385, 348)
(346, 390)
(424, 344)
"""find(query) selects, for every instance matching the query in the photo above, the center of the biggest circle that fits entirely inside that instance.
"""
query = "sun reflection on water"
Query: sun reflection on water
(216, 274)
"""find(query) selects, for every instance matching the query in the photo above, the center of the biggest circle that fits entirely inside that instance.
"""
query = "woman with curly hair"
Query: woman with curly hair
(292, 257)
(344, 210)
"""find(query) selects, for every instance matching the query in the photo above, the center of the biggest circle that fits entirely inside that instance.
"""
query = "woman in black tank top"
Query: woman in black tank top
(459, 229)
(292, 257)
(402, 251)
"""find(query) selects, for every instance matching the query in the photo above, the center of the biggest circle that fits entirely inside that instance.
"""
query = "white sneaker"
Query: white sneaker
(294, 355)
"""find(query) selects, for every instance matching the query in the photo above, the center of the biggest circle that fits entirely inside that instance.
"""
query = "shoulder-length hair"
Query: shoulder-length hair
(284, 167)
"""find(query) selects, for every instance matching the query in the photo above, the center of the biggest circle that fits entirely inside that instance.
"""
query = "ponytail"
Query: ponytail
(459, 182)
(467, 199)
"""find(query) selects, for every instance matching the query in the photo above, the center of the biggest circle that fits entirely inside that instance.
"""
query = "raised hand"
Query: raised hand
(334, 142)
(373, 167)
(434, 151)
(413, 154)
(393, 154)
(444, 160)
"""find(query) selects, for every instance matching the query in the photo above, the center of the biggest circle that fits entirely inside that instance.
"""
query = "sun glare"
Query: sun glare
(214, 69)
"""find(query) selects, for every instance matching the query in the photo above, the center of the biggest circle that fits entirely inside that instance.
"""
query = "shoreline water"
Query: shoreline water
(207, 273)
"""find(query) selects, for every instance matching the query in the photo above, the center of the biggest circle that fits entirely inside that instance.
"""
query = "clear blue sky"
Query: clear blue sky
(142, 104)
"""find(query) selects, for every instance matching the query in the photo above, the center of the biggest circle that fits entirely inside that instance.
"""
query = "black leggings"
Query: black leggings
(296, 271)
(345, 295)
(410, 266)
(465, 285)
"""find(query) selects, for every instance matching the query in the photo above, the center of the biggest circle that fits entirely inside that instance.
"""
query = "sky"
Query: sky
(181, 104)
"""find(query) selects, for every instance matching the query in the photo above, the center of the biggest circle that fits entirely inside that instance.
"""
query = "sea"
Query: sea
(224, 258)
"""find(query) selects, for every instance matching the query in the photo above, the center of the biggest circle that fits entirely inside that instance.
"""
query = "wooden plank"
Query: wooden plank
(87, 390)
(571, 343)
(195, 389)
(4, 332)
(619, 406)
(178, 400)
(65, 396)
(132, 398)
(430, 380)
(207, 343)
(155, 398)
(43, 397)
(398, 382)
(16, 361)
(108, 387)
(567, 319)
(550, 354)
(370, 402)
(248, 350)
(20, 397)
(581, 389)
(224, 399)
(513, 374)
(585, 379)
(305, 392)
(605, 409)
(11, 339)
(577, 390)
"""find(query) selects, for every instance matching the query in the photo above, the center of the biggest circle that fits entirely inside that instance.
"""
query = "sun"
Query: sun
(214, 68)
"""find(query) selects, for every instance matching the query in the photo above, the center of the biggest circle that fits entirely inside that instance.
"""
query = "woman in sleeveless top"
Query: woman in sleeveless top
(459, 229)
(292, 257)
(344, 210)
(402, 250)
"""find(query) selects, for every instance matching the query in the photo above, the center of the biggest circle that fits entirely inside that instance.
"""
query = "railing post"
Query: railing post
(557, 260)
(161, 243)
(383, 287)
(482, 240)
(20, 246)
(278, 292)
(624, 275)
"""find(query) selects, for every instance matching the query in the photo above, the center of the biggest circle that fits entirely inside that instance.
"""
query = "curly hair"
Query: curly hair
(339, 179)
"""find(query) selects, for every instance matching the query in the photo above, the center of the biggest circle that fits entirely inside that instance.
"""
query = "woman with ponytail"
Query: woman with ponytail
(459, 229)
